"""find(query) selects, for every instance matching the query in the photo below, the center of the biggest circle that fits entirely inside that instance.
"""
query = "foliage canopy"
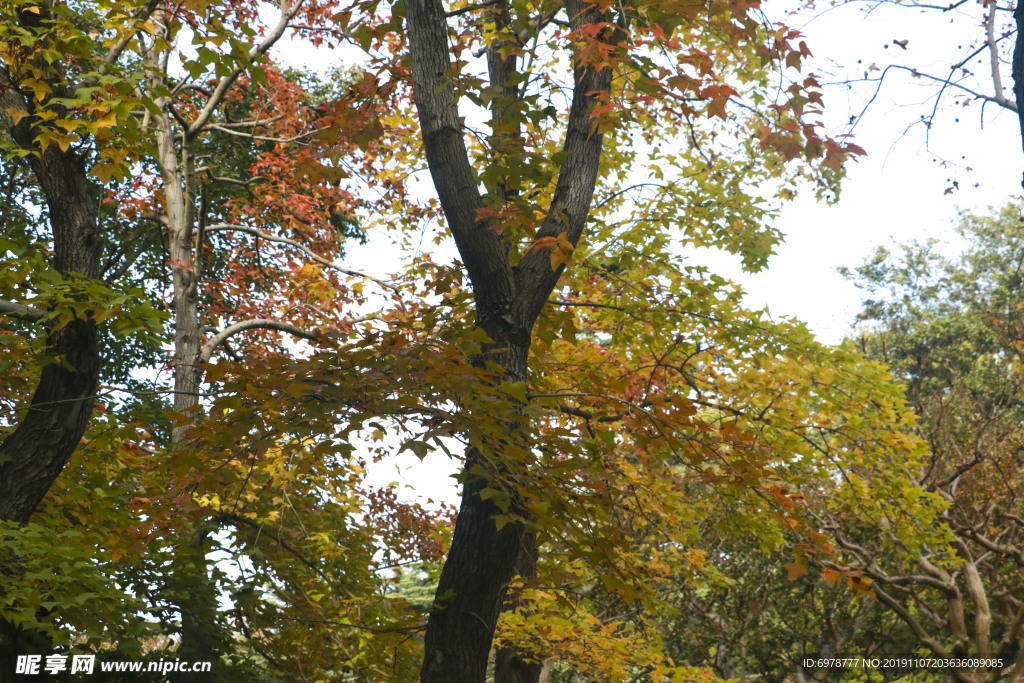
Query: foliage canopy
(178, 202)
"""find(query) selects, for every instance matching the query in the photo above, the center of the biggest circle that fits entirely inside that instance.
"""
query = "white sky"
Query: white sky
(894, 194)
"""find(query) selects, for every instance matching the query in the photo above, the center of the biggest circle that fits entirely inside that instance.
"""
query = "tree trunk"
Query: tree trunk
(512, 664)
(1017, 69)
(35, 453)
(508, 300)
(44, 440)
(201, 637)
(480, 565)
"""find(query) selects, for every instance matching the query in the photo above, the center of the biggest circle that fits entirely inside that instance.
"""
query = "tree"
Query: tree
(517, 235)
(147, 171)
(948, 327)
(581, 393)
(950, 330)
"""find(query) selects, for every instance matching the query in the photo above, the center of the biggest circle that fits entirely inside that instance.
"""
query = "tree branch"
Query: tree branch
(230, 130)
(206, 352)
(118, 48)
(483, 250)
(29, 314)
(225, 83)
(225, 227)
(238, 520)
(472, 8)
(909, 620)
(574, 190)
(993, 50)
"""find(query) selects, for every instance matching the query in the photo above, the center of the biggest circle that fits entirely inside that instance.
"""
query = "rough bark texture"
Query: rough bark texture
(35, 453)
(201, 637)
(39, 448)
(482, 560)
(511, 664)
(44, 440)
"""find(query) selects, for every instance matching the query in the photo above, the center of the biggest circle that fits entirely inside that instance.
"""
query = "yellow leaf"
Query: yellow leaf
(67, 124)
(106, 171)
(39, 87)
(105, 118)
(16, 114)
(63, 140)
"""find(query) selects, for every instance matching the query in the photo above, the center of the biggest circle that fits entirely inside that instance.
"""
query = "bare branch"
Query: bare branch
(230, 181)
(255, 323)
(224, 227)
(229, 130)
(993, 50)
(947, 82)
(943, 8)
(471, 8)
(251, 123)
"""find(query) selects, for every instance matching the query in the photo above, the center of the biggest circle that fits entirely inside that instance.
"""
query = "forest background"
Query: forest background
(642, 456)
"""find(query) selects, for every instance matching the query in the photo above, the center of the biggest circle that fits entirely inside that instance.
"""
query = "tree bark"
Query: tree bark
(44, 440)
(35, 453)
(513, 664)
(202, 639)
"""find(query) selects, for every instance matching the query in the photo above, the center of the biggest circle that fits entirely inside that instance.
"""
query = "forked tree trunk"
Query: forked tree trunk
(483, 559)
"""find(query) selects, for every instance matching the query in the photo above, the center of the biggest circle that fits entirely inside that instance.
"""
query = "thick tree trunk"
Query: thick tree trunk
(480, 565)
(44, 440)
(35, 453)
(1017, 68)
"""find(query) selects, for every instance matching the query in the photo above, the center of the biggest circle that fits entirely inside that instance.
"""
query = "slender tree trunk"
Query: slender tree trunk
(202, 639)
